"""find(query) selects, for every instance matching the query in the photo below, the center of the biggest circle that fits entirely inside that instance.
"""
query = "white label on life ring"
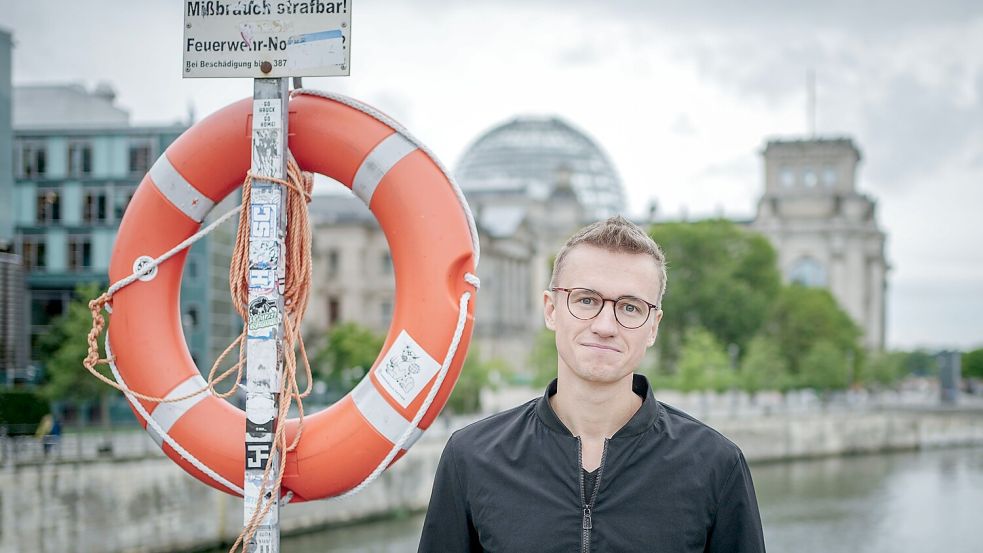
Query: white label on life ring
(406, 369)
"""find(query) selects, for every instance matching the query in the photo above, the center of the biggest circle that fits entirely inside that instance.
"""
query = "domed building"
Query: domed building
(531, 182)
(532, 156)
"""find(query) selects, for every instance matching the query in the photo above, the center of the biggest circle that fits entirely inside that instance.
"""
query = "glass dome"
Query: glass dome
(533, 155)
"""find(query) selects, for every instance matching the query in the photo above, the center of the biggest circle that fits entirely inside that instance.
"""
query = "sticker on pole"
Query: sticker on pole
(266, 38)
(406, 369)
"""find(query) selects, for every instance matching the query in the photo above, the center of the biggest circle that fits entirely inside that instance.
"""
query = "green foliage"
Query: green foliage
(764, 367)
(884, 369)
(972, 363)
(703, 363)
(721, 277)
(64, 348)
(21, 411)
(345, 355)
(475, 376)
(803, 317)
(825, 367)
(920, 363)
(543, 359)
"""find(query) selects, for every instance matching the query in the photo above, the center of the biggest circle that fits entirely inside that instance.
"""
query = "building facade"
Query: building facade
(77, 161)
(531, 182)
(6, 143)
(824, 230)
(353, 271)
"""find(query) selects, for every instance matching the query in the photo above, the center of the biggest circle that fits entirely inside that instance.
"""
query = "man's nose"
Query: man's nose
(605, 323)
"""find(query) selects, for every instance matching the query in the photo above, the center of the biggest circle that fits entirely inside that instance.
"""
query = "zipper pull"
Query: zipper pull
(587, 522)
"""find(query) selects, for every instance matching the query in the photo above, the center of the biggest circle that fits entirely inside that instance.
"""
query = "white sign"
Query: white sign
(406, 369)
(266, 38)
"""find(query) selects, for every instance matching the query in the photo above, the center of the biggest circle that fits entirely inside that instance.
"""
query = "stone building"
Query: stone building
(824, 230)
(353, 271)
(530, 183)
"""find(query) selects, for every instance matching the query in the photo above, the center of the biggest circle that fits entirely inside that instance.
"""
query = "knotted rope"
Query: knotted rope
(296, 292)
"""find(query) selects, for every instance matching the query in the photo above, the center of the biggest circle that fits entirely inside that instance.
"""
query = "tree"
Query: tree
(764, 367)
(884, 369)
(703, 363)
(345, 355)
(476, 375)
(972, 363)
(543, 359)
(65, 346)
(825, 367)
(721, 277)
(803, 317)
(920, 363)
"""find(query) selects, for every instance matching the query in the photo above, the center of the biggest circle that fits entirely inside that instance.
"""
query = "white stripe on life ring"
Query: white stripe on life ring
(380, 160)
(167, 414)
(381, 415)
(179, 191)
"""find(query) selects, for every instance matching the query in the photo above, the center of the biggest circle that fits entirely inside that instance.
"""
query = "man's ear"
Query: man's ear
(654, 333)
(549, 310)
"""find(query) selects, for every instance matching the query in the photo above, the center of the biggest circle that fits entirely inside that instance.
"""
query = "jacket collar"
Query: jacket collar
(642, 420)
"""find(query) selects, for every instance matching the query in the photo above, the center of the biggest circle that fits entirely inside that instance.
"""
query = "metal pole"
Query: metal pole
(264, 342)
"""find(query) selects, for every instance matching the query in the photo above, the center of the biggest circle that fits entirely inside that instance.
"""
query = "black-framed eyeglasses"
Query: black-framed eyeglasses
(585, 304)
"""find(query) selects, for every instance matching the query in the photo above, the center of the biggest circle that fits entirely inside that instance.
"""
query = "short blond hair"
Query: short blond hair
(619, 235)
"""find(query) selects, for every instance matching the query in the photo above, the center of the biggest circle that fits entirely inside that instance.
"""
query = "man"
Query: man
(597, 464)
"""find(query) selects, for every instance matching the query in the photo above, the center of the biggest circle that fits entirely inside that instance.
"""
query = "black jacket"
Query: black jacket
(667, 482)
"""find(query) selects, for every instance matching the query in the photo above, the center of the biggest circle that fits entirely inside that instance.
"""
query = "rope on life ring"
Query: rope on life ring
(171, 186)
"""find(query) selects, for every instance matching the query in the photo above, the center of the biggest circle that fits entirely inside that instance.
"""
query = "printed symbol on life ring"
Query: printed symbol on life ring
(403, 368)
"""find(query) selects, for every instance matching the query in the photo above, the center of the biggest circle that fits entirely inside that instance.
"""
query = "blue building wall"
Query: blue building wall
(6, 143)
(53, 276)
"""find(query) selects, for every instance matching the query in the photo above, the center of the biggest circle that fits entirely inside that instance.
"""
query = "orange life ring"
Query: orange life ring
(431, 237)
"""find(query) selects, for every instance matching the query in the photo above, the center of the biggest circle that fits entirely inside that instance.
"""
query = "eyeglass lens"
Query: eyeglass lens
(586, 304)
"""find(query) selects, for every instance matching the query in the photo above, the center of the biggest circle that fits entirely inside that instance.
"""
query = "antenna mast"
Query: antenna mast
(811, 105)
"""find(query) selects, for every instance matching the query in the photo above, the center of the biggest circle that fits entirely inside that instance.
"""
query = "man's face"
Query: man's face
(600, 350)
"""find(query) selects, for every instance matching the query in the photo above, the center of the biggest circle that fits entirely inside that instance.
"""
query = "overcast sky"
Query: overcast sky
(681, 95)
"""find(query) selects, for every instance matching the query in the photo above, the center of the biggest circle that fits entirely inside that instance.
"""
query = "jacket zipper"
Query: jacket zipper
(588, 523)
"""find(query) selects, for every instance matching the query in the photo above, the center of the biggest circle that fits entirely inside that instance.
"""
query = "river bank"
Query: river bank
(148, 504)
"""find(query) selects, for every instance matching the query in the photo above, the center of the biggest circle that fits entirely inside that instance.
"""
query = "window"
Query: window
(829, 177)
(79, 158)
(79, 253)
(386, 264)
(333, 263)
(386, 312)
(334, 310)
(48, 205)
(121, 199)
(95, 206)
(32, 249)
(808, 272)
(787, 177)
(190, 318)
(809, 177)
(141, 151)
(47, 305)
(33, 157)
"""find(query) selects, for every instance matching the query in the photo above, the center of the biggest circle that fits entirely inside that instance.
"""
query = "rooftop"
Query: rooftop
(66, 106)
(534, 155)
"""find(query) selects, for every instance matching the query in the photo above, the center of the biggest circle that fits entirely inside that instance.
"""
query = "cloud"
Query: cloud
(916, 129)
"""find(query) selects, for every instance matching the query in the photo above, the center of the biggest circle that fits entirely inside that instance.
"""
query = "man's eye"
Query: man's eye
(586, 301)
(629, 308)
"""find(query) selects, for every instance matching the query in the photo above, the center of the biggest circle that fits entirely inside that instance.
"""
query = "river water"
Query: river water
(921, 502)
